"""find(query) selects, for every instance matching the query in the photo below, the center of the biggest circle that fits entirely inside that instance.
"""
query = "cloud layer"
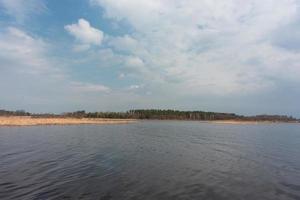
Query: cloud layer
(206, 46)
(233, 56)
(31, 78)
(21, 10)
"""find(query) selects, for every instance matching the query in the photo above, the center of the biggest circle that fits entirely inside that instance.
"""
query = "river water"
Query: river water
(151, 160)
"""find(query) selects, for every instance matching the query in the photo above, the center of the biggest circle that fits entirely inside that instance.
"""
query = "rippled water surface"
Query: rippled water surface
(151, 160)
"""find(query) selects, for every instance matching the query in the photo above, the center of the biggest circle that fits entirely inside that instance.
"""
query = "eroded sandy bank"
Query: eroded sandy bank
(29, 121)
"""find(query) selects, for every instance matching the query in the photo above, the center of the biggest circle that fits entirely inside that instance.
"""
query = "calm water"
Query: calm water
(151, 160)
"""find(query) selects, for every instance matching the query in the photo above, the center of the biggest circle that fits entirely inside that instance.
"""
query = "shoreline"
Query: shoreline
(31, 121)
(40, 121)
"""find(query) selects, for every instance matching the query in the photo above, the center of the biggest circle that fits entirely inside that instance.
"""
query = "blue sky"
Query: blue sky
(113, 55)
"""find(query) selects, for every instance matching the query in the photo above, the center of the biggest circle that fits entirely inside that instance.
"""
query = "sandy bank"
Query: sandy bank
(28, 121)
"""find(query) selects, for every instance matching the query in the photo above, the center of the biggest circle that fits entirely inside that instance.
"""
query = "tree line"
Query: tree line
(157, 114)
(14, 113)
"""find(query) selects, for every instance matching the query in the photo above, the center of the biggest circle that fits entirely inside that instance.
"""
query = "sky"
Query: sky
(240, 56)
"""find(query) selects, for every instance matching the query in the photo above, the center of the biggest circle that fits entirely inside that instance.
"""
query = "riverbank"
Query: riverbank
(29, 121)
(32, 121)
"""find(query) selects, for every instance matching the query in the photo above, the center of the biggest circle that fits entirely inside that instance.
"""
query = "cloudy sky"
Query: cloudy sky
(238, 56)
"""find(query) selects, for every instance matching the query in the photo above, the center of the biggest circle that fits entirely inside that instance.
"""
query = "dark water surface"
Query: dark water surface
(151, 160)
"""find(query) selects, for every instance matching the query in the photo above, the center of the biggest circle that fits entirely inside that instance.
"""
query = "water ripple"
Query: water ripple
(150, 160)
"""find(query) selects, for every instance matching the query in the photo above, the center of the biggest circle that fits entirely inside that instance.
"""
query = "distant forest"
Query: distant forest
(157, 114)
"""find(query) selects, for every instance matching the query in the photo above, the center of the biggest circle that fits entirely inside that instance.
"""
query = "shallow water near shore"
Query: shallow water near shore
(151, 160)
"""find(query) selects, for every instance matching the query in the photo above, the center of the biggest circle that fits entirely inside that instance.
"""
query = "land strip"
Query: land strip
(31, 121)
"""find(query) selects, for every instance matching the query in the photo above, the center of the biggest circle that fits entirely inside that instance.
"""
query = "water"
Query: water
(151, 160)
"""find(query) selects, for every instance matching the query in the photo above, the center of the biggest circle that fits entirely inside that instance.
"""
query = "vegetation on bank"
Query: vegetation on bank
(14, 113)
(158, 114)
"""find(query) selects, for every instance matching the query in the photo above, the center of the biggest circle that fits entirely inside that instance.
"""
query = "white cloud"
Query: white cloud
(121, 75)
(88, 87)
(135, 87)
(134, 62)
(204, 47)
(85, 34)
(24, 53)
(81, 47)
(21, 10)
(31, 79)
(125, 43)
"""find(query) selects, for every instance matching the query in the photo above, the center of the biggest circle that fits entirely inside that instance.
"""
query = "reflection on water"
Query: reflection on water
(151, 160)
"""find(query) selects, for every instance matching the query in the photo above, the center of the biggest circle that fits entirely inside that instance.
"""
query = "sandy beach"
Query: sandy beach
(29, 121)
